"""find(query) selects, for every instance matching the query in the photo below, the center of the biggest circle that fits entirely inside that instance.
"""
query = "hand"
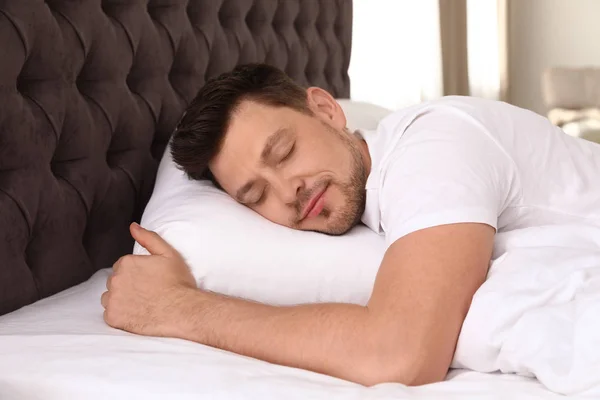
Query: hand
(147, 294)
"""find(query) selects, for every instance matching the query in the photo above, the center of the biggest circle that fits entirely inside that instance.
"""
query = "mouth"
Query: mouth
(315, 205)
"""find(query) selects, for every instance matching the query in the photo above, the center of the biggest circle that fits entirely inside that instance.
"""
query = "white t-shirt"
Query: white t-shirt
(462, 159)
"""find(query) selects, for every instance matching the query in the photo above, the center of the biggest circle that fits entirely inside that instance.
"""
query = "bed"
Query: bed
(60, 348)
(90, 92)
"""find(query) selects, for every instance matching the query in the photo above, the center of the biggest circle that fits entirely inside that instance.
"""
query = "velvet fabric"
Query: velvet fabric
(90, 92)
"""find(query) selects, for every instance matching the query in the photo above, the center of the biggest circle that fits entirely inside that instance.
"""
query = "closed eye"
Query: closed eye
(289, 154)
(261, 199)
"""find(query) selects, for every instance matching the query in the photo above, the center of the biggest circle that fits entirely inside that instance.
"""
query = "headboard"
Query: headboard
(90, 91)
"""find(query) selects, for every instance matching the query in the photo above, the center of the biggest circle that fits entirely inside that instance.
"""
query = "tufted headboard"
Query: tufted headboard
(90, 91)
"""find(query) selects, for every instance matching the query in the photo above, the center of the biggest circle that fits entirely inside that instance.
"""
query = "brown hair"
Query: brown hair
(199, 134)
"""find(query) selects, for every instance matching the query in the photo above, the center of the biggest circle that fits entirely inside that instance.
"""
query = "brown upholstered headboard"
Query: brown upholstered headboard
(90, 91)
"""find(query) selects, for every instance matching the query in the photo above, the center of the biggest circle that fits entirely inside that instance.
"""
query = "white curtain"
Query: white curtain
(396, 59)
(396, 51)
(486, 44)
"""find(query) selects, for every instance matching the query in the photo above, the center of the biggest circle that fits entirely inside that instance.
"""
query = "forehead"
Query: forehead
(249, 129)
(252, 120)
(249, 120)
(251, 125)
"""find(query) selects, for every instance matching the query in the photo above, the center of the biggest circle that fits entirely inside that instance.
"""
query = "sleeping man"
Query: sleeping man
(438, 180)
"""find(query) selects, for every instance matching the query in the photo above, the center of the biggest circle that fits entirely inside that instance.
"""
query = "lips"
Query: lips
(315, 204)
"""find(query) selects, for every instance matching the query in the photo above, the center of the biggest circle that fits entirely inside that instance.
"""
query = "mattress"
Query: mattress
(60, 348)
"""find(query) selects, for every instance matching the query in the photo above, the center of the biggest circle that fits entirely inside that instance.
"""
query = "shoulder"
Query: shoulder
(444, 166)
(450, 115)
(448, 128)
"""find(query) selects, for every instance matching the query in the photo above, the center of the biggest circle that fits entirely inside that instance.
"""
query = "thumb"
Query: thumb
(151, 241)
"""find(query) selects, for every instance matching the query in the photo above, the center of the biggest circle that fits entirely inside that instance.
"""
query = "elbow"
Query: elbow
(403, 369)
(376, 376)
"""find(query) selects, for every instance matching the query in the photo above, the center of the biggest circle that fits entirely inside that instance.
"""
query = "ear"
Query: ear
(324, 106)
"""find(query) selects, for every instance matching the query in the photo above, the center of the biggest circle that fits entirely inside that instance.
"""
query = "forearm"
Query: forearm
(407, 333)
(341, 340)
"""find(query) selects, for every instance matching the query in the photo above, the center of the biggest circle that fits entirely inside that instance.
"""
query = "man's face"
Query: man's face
(298, 170)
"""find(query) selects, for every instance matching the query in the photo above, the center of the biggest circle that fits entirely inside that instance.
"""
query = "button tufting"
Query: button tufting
(107, 144)
(131, 81)
(251, 20)
(21, 85)
(152, 9)
(106, 7)
(53, 167)
(80, 84)
(222, 15)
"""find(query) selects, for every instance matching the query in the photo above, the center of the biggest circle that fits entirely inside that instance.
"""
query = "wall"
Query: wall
(545, 33)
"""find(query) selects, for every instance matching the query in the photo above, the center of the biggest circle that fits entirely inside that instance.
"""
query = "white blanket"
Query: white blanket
(538, 313)
(59, 348)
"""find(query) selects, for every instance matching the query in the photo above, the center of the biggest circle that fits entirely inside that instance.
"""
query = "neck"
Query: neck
(364, 151)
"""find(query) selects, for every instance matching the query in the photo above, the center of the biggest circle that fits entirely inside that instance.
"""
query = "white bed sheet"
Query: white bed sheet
(60, 348)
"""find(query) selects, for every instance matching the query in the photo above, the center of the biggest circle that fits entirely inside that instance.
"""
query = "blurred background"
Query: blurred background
(537, 54)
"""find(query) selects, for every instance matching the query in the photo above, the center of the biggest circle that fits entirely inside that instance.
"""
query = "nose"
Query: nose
(287, 189)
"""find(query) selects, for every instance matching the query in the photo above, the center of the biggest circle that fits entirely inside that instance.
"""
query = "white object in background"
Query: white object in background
(485, 48)
(362, 115)
(396, 52)
(588, 129)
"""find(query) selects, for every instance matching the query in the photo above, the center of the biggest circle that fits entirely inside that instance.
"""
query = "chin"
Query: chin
(339, 231)
(334, 225)
(336, 221)
(333, 231)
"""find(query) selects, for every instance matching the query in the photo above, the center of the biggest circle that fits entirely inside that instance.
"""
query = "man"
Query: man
(438, 179)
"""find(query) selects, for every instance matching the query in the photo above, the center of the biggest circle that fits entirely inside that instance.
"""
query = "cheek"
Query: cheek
(335, 198)
(327, 160)
(274, 212)
(337, 157)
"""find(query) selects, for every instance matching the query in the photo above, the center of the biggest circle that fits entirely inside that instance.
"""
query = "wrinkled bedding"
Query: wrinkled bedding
(59, 348)
(538, 313)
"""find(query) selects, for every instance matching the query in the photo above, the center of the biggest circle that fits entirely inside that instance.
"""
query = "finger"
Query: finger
(108, 282)
(151, 241)
(104, 299)
(124, 261)
(118, 264)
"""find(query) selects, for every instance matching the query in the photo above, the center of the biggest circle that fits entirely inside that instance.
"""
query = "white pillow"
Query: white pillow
(362, 115)
(234, 251)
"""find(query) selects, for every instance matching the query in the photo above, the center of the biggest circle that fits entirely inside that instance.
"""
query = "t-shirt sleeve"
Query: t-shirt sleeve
(446, 169)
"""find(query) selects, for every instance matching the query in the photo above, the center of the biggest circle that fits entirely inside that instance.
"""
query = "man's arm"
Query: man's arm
(407, 333)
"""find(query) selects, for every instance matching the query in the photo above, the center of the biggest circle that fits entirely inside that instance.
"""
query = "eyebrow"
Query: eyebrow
(265, 155)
